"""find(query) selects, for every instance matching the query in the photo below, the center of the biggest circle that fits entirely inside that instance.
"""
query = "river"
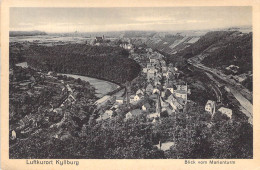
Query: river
(102, 87)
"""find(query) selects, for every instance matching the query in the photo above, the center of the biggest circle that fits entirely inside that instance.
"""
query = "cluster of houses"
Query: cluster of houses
(58, 104)
(126, 46)
(167, 95)
(163, 102)
(164, 95)
(157, 70)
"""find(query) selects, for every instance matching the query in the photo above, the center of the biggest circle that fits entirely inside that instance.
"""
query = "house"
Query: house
(23, 65)
(175, 105)
(71, 98)
(182, 87)
(171, 98)
(139, 91)
(169, 110)
(170, 89)
(120, 100)
(165, 146)
(57, 110)
(69, 88)
(151, 74)
(159, 75)
(126, 46)
(149, 88)
(149, 65)
(152, 60)
(11, 72)
(166, 75)
(210, 107)
(153, 115)
(132, 98)
(226, 111)
(103, 100)
(157, 81)
(233, 68)
(99, 39)
(107, 115)
(133, 113)
(137, 97)
(145, 70)
(146, 106)
(163, 94)
(156, 91)
(164, 104)
(181, 93)
(164, 69)
(13, 137)
(154, 120)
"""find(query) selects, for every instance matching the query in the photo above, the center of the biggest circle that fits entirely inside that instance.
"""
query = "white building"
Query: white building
(182, 94)
(226, 111)
(120, 100)
(153, 115)
(145, 70)
(138, 97)
(210, 107)
(146, 106)
(13, 135)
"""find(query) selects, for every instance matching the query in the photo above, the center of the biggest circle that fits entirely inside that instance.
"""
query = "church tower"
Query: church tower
(158, 104)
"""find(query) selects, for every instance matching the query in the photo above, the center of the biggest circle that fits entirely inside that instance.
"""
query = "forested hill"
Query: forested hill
(104, 62)
(235, 49)
(219, 49)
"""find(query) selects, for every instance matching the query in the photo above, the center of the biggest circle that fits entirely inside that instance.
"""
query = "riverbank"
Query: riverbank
(102, 87)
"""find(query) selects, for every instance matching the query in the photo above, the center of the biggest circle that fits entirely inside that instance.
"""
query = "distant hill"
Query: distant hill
(26, 33)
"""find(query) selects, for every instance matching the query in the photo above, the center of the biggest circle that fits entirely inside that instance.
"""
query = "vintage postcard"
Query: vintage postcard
(120, 85)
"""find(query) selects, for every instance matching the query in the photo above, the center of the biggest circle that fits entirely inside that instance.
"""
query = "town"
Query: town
(168, 101)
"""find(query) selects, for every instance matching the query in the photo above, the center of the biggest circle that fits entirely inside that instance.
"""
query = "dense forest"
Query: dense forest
(104, 62)
(194, 134)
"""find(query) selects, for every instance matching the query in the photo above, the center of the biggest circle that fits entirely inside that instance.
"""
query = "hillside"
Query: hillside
(221, 49)
(235, 49)
(104, 62)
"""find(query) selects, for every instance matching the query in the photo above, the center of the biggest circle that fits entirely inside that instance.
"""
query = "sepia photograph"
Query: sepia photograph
(131, 82)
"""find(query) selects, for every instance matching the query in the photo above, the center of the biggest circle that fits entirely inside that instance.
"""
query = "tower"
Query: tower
(158, 104)
(127, 92)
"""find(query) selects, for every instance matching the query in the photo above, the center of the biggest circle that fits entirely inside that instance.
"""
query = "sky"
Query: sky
(121, 19)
